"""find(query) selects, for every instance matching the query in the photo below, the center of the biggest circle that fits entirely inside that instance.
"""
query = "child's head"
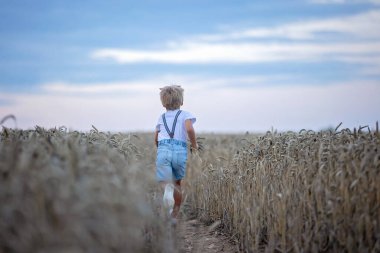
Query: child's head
(171, 97)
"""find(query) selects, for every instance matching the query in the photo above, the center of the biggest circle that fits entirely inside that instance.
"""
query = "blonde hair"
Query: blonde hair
(171, 97)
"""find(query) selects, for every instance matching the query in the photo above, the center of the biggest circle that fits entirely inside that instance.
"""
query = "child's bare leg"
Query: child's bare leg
(177, 194)
(162, 186)
(159, 197)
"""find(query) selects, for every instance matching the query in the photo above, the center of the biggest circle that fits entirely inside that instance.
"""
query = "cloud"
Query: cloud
(351, 39)
(230, 53)
(221, 107)
(363, 25)
(152, 85)
(97, 88)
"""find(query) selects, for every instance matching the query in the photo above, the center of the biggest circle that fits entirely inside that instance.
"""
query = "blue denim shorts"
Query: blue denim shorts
(171, 160)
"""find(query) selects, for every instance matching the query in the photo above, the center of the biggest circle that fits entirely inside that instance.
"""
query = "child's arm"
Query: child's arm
(191, 134)
(156, 138)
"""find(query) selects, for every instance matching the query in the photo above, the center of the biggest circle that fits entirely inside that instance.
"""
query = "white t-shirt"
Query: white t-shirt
(180, 130)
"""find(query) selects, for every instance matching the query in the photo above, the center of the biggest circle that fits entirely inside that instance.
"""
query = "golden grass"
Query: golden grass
(66, 191)
(293, 192)
(69, 191)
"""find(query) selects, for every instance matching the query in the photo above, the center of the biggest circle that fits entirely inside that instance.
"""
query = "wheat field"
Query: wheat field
(306, 191)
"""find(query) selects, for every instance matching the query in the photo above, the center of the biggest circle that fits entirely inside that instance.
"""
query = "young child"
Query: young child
(172, 129)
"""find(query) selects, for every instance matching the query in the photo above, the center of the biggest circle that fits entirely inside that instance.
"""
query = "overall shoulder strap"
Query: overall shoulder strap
(171, 133)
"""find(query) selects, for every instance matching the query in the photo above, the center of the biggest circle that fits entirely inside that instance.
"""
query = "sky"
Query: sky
(245, 65)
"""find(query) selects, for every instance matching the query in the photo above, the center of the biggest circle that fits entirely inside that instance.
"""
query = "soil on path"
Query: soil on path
(194, 236)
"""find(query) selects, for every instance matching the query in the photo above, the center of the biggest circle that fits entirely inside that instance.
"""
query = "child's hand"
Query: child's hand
(199, 147)
(193, 150)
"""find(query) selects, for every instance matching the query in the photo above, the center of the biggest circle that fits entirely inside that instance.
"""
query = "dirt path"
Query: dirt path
(194, 237)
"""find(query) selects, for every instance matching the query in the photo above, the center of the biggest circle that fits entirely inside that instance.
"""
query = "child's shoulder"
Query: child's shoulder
(188, 115)
(184, 112)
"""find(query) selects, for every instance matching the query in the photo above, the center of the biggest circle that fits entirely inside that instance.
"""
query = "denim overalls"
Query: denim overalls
(171, 155)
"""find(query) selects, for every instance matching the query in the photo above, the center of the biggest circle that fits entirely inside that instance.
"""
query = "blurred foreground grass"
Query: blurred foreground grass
(69, 191)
